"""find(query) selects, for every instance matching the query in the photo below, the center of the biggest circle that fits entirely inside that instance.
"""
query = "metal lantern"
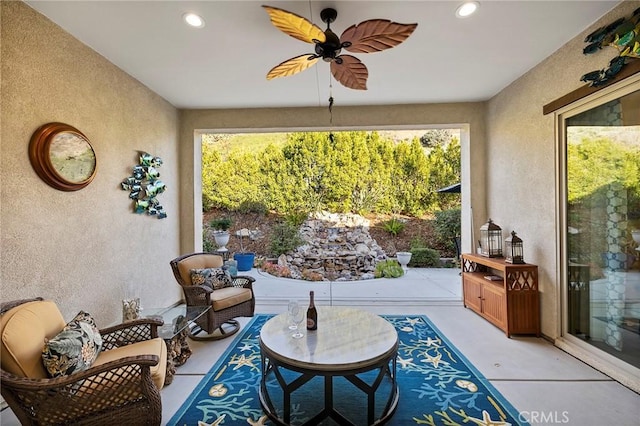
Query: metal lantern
(513, 249)
(490, 240)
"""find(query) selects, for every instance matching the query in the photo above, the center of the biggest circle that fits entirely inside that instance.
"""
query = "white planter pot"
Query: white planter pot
(222, 239)
(403, 257)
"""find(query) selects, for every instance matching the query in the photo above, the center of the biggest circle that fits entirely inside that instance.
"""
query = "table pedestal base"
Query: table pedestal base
(385, 369)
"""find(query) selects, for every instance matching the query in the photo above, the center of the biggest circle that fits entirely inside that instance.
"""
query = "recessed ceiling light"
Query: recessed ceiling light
(467, 9)
(193, 20)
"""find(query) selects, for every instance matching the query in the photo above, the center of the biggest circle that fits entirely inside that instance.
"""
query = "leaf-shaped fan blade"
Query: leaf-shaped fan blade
(350, 73)
(292, 66)
(294, 25)
(376, 35)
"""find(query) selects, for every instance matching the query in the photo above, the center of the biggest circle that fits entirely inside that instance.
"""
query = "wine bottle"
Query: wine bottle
(312, 314)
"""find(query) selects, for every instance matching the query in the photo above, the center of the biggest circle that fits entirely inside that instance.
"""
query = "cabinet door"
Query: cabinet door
(494, 305)
(472, 294)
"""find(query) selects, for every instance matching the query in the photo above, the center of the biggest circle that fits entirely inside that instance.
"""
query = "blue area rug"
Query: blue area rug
(437, 384)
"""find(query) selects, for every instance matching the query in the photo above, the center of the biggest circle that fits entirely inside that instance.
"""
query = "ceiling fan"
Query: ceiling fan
(369, 36)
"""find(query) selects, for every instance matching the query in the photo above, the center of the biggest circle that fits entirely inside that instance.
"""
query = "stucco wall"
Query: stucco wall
(521, 156)
(84, 248)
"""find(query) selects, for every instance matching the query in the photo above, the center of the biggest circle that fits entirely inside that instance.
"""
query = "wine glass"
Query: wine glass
(292, 308)
(298, 317)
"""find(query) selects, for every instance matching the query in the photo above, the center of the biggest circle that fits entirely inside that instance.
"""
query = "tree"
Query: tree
(595, 163)
(445, 170)
(436, 137)
(342, 172)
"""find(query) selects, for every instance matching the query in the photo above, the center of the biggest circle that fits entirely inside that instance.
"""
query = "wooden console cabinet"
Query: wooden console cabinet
(511, 302)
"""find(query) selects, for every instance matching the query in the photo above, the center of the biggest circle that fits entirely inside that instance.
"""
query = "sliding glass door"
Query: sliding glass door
(602, 218)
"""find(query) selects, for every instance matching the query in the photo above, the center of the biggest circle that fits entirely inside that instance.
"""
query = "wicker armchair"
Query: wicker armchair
(114, 390)
(227, 303)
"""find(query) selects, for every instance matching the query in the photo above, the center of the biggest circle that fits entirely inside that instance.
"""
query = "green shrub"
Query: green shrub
(388, 269)
(208, 244)
(418, 242)
(425, 258)
(393, 226)
(296, 218)
(221, 223)
(252, 207)
(285, 238)
(447, 227)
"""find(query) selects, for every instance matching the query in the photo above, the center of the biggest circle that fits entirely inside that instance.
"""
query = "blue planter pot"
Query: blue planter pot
(245, 261)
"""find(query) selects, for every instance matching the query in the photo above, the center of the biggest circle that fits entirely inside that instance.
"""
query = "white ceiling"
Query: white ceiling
(224, 64)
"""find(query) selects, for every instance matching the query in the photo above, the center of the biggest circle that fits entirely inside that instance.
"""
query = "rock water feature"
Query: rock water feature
(338, 248)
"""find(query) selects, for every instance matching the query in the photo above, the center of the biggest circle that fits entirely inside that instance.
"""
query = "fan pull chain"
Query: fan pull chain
(330, 101)
(330, 111)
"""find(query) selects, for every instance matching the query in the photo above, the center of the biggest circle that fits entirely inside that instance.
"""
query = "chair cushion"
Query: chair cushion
(155, 346)
(215, 278)
(198, 261)
(74, 349)
(24, 329)
(229, 296)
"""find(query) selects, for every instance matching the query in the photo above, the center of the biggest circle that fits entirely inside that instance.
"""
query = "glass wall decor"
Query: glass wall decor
(602, 216)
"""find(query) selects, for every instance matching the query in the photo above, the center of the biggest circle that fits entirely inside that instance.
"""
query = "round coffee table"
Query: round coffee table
(348, 342)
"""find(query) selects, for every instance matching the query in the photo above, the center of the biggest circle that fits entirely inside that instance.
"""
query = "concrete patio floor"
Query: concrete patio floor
(547, 385)
(419, 286)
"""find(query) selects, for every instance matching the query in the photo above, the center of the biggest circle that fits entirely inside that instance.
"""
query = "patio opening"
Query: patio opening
(332, 205)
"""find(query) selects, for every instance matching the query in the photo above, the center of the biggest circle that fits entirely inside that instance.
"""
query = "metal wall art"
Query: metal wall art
(144, 186)
(624, 35)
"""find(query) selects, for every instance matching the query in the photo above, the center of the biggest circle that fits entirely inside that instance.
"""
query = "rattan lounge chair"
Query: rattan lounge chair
(228, 303)
(121, 387)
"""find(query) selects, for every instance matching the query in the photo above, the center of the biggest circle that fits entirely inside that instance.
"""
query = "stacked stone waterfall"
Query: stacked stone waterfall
(338, 248)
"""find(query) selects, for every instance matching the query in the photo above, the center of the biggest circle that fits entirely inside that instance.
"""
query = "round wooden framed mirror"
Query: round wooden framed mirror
(62, 156)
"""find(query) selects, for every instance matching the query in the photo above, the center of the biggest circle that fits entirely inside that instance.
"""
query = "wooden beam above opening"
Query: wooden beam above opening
(627, 71)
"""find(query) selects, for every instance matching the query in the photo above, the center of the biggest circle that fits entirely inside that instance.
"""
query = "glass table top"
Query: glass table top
(176, 318)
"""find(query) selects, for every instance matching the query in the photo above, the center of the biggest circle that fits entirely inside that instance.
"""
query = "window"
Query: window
(600, 214)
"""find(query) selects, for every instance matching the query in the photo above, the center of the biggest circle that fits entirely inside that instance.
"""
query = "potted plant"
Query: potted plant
(403, 257)
(221, 231)
(245, 259)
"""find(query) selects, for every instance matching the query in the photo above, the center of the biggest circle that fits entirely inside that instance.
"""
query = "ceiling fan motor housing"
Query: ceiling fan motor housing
(330, 48)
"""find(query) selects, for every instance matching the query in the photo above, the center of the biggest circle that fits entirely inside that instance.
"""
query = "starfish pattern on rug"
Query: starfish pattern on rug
(432, 342)
(405, 362)
(486, 420)
(413, 321)
(435, 360)
(244, 361)
(246, 347)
